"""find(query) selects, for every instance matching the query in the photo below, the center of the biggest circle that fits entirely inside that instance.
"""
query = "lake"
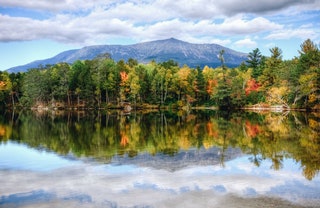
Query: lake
(160, 159)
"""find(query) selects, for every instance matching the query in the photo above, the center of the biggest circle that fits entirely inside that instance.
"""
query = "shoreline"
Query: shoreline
(186, 108)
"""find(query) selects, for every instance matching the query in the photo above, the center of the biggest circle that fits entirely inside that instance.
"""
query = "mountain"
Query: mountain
(161, 50)
(180, 160)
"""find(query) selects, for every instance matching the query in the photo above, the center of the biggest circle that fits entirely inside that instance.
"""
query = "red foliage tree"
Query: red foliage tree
(252, 129)
(252, 85)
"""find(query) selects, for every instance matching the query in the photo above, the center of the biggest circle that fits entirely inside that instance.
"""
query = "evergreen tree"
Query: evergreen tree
(254, 61)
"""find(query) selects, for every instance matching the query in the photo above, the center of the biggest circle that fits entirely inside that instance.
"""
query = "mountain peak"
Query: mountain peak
(164, 41)
(173, 40)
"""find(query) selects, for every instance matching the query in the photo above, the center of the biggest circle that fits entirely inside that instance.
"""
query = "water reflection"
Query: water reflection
(82, 184)
(106, 136)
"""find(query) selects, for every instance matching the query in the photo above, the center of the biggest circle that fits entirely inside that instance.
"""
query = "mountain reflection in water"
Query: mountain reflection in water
(207, 156)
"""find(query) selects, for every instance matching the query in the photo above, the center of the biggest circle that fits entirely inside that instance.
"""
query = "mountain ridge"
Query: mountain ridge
(180, 51)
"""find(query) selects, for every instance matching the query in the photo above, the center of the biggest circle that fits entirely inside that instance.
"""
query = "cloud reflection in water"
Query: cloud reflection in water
(88, 184)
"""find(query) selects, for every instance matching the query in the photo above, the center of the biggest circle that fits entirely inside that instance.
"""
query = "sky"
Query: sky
(39, 29)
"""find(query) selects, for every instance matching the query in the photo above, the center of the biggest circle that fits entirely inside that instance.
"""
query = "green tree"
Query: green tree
(135, 82)
(111, 83)
(307, 75)
(309, 56)
(144, 80)
(102, 70)
(58, 77)
(272, 68)
(223, 95)
(82, 83)
(254, 58)
(35, 88)
(132, 63)
(309, 87)
(221, 88)
(200, 86)
(16, 80)
(163, 84)
(238, 80)
(254, 61)
(148, 90)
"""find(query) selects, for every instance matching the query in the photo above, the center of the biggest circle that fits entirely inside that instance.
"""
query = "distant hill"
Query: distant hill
(180, 160)
(161, 50)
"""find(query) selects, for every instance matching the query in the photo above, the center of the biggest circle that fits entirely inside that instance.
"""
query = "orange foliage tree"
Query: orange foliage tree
(252, 85)
(124, 88)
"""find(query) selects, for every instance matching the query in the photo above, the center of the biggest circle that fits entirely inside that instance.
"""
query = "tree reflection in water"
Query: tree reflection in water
(264, 136)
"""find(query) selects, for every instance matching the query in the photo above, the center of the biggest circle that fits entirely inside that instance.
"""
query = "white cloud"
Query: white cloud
(270, 45)
(64, 28)
(247, 43)
(285, 34)
(208, 39)
(206, 28)
(68, 28)
(138, 12)
(238, 25)
(263, 6)
(200, 9)
(56, 5)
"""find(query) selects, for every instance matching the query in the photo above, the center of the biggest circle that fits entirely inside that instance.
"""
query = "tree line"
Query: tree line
(105, 83)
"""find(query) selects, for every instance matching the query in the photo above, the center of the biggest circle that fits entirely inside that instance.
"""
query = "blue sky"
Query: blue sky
(38, 29)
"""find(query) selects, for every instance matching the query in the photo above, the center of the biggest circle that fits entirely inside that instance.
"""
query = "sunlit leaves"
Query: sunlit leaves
(5, 82)
(307, 47)
(6, 87)
(278, 95)
(124, 78)
(309, 85)
(251, 85)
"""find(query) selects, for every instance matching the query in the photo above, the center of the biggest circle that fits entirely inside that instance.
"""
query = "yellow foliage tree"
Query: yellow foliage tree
(278, 95)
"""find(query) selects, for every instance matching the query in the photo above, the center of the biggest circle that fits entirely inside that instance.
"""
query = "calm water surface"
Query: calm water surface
(160, 159)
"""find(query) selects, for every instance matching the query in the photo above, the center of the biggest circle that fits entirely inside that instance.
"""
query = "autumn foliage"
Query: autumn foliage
(2, 84)
(252, 85)
(211, 85)
(252, 130)
(124, 78)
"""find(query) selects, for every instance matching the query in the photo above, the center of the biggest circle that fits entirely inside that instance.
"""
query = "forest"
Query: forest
(102, 83)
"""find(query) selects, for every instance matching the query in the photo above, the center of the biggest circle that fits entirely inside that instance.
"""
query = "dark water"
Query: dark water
(160, 159)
